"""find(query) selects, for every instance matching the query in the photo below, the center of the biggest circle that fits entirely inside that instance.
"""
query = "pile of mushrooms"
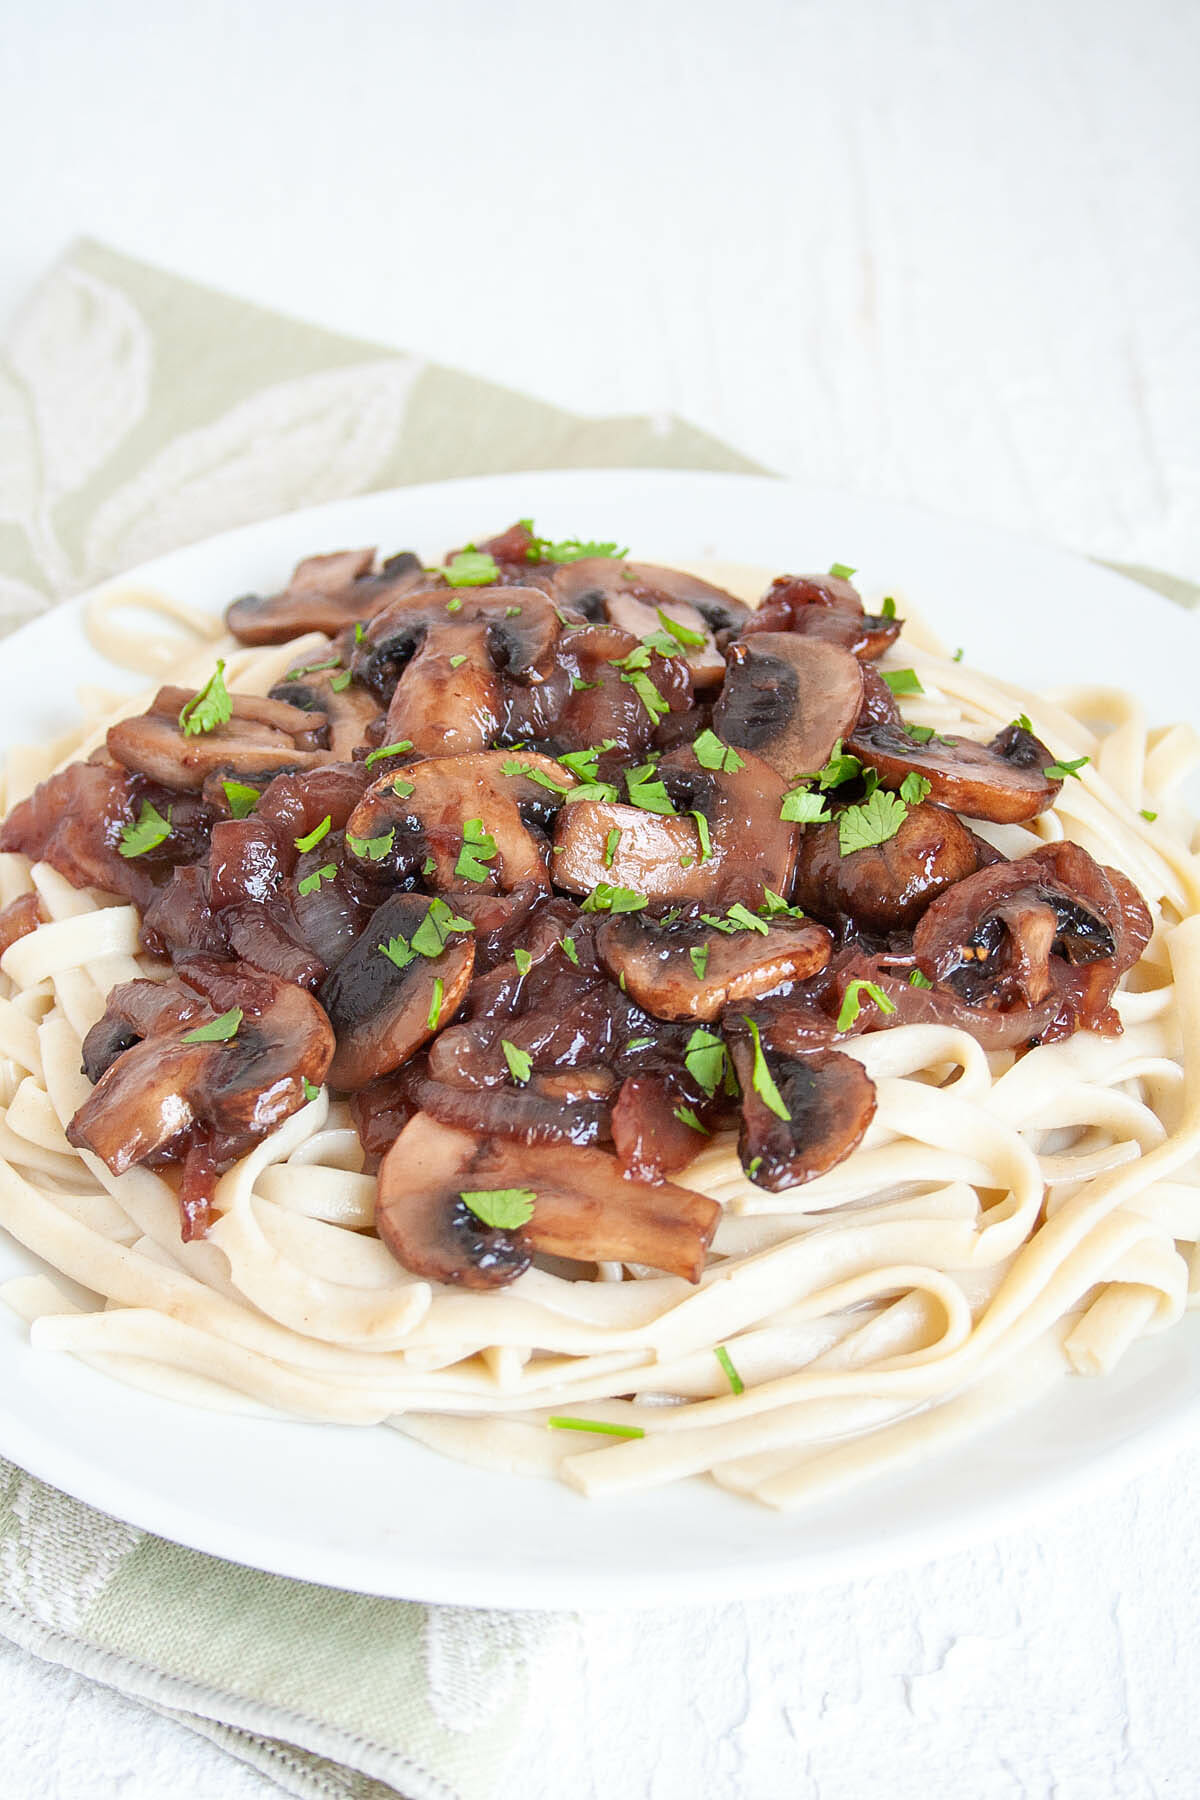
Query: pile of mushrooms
(555, 864)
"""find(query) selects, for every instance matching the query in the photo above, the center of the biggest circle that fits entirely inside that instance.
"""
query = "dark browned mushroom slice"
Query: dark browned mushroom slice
(261, 737)
(584, 1209)
(743, 848)
(887, 886)
(529, 1115)
(826, 607)
(688, 969)
(789, 699)
(631, 596)
(1013, 1029)
(650, 1137)
(606, 701)
(326, 593)
(1004, 780)
(238, 1086)
(74, 821)
(388, 996)
(465, 815)
(348, 709)
(802, 1113)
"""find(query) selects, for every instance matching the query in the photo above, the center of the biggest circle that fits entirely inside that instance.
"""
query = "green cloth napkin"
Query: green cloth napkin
(139, 412)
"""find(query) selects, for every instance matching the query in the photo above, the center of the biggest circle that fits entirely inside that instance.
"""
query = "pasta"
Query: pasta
(1006, 1221)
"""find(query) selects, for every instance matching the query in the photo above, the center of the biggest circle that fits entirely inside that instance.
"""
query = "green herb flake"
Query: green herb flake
(360, 632)
(371, 849)
(1058, 771)
(470, 568)
(209, 708)
(774, 904)
(920, 734)
(146, 833)
(903, 681)
(504, 1209)
(711, 753)
(456, 662)
(432, 934)
(753, 1166)
(874, 822)
(339, 683)
(852, 1003)
(914, 788)
(520, 1063)
(741, 915)
(580, 686)
(840, 768)
(523, 960)
(403, 789)
(606, 898)
(331, 662)
(918, 980)
(888, 609)
(958, 655)
(435, 1004)
(704, 1059)
(568, 550)
(429, 867)
(687, 1116)
(762, 1080)
(567, 945)
(842, 571)
(512, 612)
(801, 806)
(478, 849)
(310, 884)
(705, 839)
(585, 763)
(511, 766)
(311, 1090)
(398, 950)
(731, 1375)
(648, 694)
(610, 846)
(621, 1431)
(217, 1031)
(1024, 723)
(397, 749)
(647, 791)
(699, 956)
(639, 1044)
(304, 844)
(683, 634)
(242, 798)
(1148, 815)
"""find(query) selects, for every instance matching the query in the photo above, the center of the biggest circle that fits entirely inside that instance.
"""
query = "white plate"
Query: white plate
(366, 1509)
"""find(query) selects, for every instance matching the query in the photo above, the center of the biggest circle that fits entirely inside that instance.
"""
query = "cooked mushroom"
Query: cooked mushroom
(789, 699)
(529, 1115)
(19, 918)
(326, 593)
(1014, 1029)
(584, 1208)
(261, 736)
(825, 1102)
(651, 1137)
(887, 886)
(74, 822)
(631, 597)
(743, 848)
(688, 969)
(607, 700)
(1004, 780)
(160, 1092)
(388, 995)
(466, 815)
(349, 709)
(822, 606)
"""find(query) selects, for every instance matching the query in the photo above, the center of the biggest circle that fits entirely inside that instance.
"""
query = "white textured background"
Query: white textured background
(943, 251)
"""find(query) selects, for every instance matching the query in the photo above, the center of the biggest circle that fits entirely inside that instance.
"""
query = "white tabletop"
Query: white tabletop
(941, 252)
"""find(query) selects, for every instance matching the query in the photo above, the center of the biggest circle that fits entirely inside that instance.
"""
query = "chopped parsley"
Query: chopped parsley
(840, 768)
(1024, 723)
(396, 749)
(647, 791)
(842, 571)
(639, 1044)
(731, 1375)
(852, 1003)
(431, 935)
(520, 1063)
(958, 655)
(209, 708)
(918, 980)
(504, 1209)
(610, 846)
(147, 833)
(774, 904)
(242, 798)
(217, 1031)
(753, 1166)
(874, 822)
(920, 734)
(523, 960)
(705, 840)
(699, 956)
(567, 550)
(456, 662)
(567, 946)
(914, 788)
(606, 898)
(687, 1116)
(1147, 814)
(888, 609)
(1058, 771)
(801, 806)
(311, 1090)
(331, 662)
(398, 950)
(683, 634)
(741, 915)
(471, 568)
(429, 867)
(402, 789)
(711, 753)
(585, 763)
(435, 1004)
(371, 849)
(310, 884)
(512, 612)
(626, 1431)
(360, 632)
(704, 1059)
(648, 694)
(512, 767)
(304, 844)
(478, 849)
(454, 606)
(339, 683)
(903, 681)
(761, 1079)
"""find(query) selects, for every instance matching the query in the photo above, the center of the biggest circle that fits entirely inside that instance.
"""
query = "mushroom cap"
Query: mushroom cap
(325, 593)
(585, 1209)
(349, 710)
(520, 625)
(381, 1013)
(830, 1100)
(789, 699)
(630, 596)
(887, 886)
(659, 970)
(1004, 780)
(260, 737)
(825, 607)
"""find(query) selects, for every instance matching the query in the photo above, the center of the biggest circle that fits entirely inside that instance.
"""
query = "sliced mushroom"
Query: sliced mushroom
(584, 1208)
(825, 607)
(261, 736)
(1004, 781)
(349, 709)
(887, 886)
(74, 822)
(789, 699)
(382, 1008)
(691, 970)
(155, 1093)
(650, 1137)
(829, 1100)
(1014, 1029)
(662, 856)
(526, 1114)
(630, 596)
(326, 593)
(426, 812)
(603, 704)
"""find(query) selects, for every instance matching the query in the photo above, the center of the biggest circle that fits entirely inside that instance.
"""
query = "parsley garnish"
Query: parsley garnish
(711, 753)
(741, 915)
(753, 1166)
(705, 840)
(647, 791)
(1024, 723)
(397, 749)
(504, 1209)
(520, 1063)
(731, 1375)
(606, 898)
(803, 807)
(851, 1004)
(610, 846)
(513, 767)
(217, 1031)
(512, 612)
(398, 950)
(567, 945)
(478, 849)
(430, 937)
(686, 1116)
(454, 606)
(762, 1080)
(402, 789)
(683, 634)
(648, 694)
(360, 632)
(523, 960)
(209, 708)
(639, 1044)
(843, 571)
(429, 867)
(888, 609)
(456, 662)
(339, 683)
(874, 822)
(629, 1431)
(699, 956)
(774, 904)
(1058, 771)
(1151, 816)
(371, 849)
(914, 788)
(917, 979)
(471, 568)
(567, 550)
(903, 681)
(331, 662)
(958, 655)
(920, 734)
(704, 1059)
(585, 763)
(314, 837)
(311, 1090)
(435, 1004)
(242, 798)
(310, 884)
(840, 768)
(580, 686)
(147, 833)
